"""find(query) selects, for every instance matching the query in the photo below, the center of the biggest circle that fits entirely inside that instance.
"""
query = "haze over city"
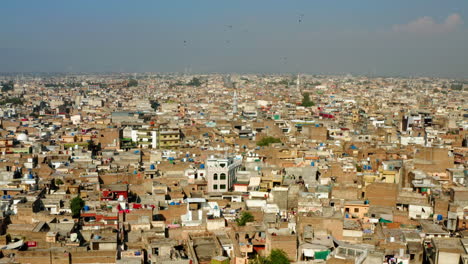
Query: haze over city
(379, 38)
(234, 132)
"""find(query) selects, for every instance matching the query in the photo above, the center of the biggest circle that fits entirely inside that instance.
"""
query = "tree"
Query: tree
(267, 141)
(154, 104)
(244, 218)
(58, 182)
(259, 260)
(306, 100)
(277, 256)
(132, 83)
(76, 204)
(12, 100)
(194, 82)
(358, 168)
(7, 86)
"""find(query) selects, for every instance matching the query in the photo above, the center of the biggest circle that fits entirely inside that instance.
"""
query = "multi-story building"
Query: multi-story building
(145, 138)
(169, 138)
(221, 173)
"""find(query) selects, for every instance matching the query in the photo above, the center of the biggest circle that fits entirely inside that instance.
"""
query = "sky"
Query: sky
(365, 37)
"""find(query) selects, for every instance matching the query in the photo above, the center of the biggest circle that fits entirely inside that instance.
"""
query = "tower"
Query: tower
(234, 107)
(298, 84)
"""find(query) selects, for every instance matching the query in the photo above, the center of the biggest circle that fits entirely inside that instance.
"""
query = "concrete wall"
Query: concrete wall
(448, 258)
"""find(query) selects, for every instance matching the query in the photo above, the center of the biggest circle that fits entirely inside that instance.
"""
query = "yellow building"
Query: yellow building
(169, 138)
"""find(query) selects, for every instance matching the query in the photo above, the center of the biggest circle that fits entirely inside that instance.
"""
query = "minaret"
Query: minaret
(298, 84)
(234, 107)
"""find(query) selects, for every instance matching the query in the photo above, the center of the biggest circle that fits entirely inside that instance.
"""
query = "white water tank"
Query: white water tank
(22, 137)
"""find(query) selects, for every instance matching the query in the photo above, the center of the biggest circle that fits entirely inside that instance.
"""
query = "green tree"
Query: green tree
(259, 260)
(7, 86)
(277, 256)
(76, 204)
(194, 82)
(132, 83)
(58, 182)
(12, 100)
(244, 218)
(267, 141)
(358, 168)
(154, 104)
(306, 100)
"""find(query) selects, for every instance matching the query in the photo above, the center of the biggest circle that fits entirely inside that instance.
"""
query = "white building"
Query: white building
(221, 173)
(145, 138)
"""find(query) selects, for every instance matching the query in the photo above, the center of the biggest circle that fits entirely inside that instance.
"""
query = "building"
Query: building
(221, 173)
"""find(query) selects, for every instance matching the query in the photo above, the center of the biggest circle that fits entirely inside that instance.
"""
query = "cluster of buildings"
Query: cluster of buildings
(373, 171)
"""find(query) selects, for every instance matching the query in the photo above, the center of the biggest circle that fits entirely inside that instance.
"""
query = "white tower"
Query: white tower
(298, 84)
(234, 108)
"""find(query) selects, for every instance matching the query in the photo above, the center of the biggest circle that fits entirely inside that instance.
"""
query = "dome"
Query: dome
(22, 137)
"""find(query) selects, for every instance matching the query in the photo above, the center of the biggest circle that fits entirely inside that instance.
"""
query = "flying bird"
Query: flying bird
(301, 16)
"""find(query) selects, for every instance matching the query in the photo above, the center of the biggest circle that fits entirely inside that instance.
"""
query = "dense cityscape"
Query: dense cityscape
(234, 132)
(232, 168)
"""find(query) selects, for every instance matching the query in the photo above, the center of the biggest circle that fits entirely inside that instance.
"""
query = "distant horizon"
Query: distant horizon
(16, 74)
(368, 37)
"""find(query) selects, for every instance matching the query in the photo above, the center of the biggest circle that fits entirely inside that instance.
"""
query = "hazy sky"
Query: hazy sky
(397, 37)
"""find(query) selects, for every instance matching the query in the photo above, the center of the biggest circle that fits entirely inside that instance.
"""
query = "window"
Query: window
(222, 187)
(215, 176)
(156, 251)
(215, 187)
(222, 176)
(356, 210)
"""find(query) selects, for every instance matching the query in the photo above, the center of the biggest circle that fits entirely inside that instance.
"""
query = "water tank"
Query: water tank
(312, 163)
(22, 137)
(152, 167)
(202, 166)
(30, 176)
(440, 217)
(135, 172)
(8, 196)
(86, 208)
(73, 237)
(392, 239)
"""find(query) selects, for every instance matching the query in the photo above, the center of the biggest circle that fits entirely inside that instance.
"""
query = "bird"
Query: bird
(301, 16)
